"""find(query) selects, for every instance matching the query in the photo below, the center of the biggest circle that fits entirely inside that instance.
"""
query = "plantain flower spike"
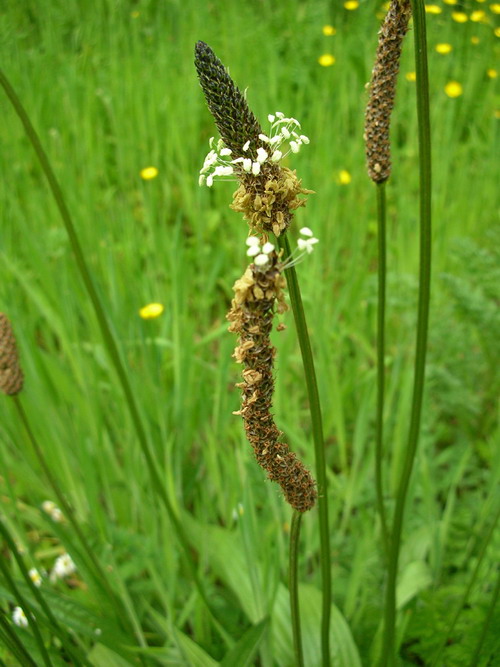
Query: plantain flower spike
(383, 90)
(257, 294)
(11, 375)
(268, 191)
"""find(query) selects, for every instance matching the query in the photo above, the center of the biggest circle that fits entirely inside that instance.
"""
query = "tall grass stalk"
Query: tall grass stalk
(109, 341)
(379, 442)
(293, 586)
(319, 446)
(424, 143)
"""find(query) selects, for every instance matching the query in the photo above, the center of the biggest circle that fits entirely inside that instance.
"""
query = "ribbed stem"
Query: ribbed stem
(319, 446)
(293, 582)
(379, 442)
(424, 142)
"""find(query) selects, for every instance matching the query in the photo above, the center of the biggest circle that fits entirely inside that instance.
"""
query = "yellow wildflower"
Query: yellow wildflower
(474, 40)
(495, 9)
(492, 73)
(329, 30)
(326, 60)
(453, 89)
(450, 2)
(351, 4)
(433, 9)
(459, 17)
(148, 173)
(497, 32)
(411, 76)
(444, 48)
(151, 311)
(344, 177)
(478, 15)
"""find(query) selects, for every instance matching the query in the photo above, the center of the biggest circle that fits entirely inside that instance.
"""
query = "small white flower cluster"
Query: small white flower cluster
(218, 162)
(260, 252)
(49, 507)
(63, 566)
(35, 577)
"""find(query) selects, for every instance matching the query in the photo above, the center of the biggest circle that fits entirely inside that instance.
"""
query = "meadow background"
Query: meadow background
(111, 88)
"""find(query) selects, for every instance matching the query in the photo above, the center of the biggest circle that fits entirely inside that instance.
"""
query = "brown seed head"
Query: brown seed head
(383, 90)
(257, 294)
(11, 375)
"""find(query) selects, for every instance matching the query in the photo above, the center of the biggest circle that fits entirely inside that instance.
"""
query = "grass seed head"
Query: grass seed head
(11, 375)
(383, 90)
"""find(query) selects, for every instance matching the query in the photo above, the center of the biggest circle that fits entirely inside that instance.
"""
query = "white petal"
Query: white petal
(271, 118)
(253, 250)
(201, 179)
(280, 114)
(252, 240)
(301, 244)
(267, 248)
(305, 231)
(256, 168)
(304, 138)
(276, 156)
(285, 132)
(210, 180)
(262, 155)
(247, 164)
(261, 260)
(264, 138)
(226, 151)
(246, 146)
(294, 146)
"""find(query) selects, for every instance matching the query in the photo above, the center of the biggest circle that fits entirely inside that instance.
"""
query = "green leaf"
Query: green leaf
(415, 577)
(193, 653)
(243, 652)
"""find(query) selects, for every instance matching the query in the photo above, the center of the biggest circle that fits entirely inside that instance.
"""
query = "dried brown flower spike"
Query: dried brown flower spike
(11, 375)
(383, 90)
(257, 294)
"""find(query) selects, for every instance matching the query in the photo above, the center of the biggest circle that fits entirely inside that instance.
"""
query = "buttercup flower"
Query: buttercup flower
(151, 311)
(459, 17)
(433, 9)
(344, 177)
(149, 173)
(444, 48)
(411, 76)
(453, 89)
(351, 4)
(326, 60)
(329, 30)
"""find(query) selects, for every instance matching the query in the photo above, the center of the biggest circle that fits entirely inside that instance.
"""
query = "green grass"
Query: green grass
(110, 93)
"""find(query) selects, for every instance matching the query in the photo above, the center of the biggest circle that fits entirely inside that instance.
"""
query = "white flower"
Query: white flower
(282, 138)
(63, 566)
(267, 248)
(35, 577)
(51, 508)
(258, 251)
(305, 231)
(307, 244)
(19, 617)
(252, 240)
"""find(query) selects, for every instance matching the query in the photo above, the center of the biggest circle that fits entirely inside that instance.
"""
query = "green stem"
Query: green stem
(424, 142)
(110, 342)
(319, 446)
(294, 588)
(379, 443)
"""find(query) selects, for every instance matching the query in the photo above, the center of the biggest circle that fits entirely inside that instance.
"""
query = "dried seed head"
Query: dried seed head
(383, 90)
(11, 375)
(257, 294)
(233, 117)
